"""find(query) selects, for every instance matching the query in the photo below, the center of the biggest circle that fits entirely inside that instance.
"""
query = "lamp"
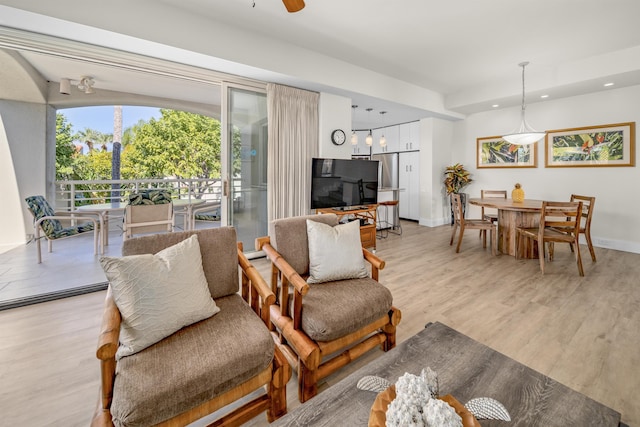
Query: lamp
(65, 86)
(383, 140)
(524, 134)
(86, 84)
(369, 139)
(354, 135)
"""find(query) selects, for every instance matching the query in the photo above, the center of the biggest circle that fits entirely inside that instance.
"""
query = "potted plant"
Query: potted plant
(456, 178)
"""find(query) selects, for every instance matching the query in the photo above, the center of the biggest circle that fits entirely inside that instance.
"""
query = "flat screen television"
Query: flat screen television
(343, 183)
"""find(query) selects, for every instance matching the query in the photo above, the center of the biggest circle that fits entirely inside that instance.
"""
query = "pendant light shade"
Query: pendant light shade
(525, 134)
(354, 138)
(369, 139)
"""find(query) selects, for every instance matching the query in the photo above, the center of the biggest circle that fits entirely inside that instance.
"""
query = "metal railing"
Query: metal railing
(71, 194)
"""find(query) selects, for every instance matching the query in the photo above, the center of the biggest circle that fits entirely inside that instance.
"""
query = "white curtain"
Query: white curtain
(293, 142)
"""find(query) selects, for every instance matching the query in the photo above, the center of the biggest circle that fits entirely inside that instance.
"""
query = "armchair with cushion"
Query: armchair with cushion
(48, 220)
(330, 309)
(184, 334)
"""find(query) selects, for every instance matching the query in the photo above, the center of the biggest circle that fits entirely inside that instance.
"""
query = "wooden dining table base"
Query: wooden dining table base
(508, 222)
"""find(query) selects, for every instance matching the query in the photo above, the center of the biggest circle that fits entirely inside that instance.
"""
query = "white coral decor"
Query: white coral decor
(415, 406)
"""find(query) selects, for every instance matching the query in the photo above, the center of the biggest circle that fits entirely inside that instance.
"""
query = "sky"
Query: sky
(101, 118)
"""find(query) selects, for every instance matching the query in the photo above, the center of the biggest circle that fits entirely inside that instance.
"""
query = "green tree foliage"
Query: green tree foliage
(65, 150)
(178, 144)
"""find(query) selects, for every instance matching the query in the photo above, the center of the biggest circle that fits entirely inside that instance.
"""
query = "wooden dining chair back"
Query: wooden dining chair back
(559, 223)
(585, 224)
(478, 224)
(492, 215)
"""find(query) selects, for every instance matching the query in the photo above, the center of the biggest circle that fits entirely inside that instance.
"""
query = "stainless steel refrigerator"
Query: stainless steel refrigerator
(387, 170)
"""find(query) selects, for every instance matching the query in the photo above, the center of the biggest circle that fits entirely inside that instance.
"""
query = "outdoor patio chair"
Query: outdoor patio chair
(321, 327)
(209, 212)
(148, 211)
(45, 218)
(208, 362)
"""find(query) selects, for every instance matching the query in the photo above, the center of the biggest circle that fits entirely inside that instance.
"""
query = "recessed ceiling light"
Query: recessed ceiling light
(544, 96)
(608, 84)
(495, 105)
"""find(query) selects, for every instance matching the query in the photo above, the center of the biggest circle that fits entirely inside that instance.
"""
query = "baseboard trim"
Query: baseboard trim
(51, 296)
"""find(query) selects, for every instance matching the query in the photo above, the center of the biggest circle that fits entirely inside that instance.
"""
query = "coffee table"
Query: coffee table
(466, 369)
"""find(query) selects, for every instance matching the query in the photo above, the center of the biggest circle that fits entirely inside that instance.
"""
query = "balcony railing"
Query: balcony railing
(71, 194)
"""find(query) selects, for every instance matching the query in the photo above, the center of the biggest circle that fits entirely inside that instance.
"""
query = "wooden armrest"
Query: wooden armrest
(373, 259)
(264, 244)
(110, 329)
(258, 282)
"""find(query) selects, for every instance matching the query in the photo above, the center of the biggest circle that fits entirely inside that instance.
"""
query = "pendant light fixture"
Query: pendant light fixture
(525, 134)
(354, 135)
(383, 140)
(369, 139)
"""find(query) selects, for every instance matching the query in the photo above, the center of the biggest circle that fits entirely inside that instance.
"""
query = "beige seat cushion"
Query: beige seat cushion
(194, 365)
(334, 309)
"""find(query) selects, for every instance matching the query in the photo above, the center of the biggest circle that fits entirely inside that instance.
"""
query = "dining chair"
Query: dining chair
(498, 194)
(479, 224)
(585, 226)
(559, 223)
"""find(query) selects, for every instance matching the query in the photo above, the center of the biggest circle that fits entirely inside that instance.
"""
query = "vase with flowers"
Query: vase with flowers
(456, 178)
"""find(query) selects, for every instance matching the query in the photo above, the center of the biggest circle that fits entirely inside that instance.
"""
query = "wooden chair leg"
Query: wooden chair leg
(484, 238)
(460, 235)
(307, 386)
(277, 387)
(551, 249)
(541, 255)
(590, 246)
(453, 233)
(494, 241)
(579, 260)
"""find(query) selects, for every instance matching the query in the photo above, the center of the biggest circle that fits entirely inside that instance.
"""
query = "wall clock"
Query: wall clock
(338, 137)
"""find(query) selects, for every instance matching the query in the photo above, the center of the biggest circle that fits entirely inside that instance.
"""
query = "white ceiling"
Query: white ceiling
(465, 50)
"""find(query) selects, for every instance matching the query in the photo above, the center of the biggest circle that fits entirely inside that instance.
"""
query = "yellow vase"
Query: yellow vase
(517, 195)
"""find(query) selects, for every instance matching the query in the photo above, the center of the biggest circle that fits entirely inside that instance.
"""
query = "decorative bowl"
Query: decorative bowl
(378, 417)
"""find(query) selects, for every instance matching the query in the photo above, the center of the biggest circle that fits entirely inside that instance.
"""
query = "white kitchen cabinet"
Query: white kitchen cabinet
(409, 184)
(391, 134)
(362, 148)
(409, 136)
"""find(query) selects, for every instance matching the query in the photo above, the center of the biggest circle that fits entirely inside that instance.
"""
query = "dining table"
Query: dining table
(106, 210)
(512, 215)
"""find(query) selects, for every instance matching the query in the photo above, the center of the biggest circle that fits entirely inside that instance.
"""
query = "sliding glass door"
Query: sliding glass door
(245, 167)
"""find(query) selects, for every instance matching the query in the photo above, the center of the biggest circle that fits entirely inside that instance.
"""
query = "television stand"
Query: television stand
(367, 217)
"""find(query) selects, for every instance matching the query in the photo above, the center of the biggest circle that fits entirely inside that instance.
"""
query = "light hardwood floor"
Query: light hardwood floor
(583, 332)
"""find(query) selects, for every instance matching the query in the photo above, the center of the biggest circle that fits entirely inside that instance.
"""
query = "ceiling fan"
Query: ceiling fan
(293, 5)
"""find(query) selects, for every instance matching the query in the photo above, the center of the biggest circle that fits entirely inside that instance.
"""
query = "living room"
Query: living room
(453, 140)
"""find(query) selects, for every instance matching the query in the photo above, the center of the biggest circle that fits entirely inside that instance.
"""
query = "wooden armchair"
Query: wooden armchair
(202, 367)
(312, 323)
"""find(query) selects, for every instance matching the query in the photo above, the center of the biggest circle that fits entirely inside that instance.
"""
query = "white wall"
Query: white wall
(616, 223)
(22, 167)
(335, 113)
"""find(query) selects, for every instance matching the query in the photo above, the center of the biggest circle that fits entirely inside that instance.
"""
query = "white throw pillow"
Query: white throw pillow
(335, 253)
(158, 294)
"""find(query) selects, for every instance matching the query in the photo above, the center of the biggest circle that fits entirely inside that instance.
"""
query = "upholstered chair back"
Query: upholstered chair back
(39, 207)
(289, 237)
(218, 247)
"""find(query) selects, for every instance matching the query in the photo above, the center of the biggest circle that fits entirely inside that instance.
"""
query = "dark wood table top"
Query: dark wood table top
(466, 369)
(528, 205)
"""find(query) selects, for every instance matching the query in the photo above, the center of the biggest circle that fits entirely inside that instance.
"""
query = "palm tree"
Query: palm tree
(115, 155)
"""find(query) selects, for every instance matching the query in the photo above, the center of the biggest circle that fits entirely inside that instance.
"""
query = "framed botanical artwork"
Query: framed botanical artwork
(495, 152)
(605, 145)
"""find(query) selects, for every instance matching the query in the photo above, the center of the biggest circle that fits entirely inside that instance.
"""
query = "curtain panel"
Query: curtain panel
(293, 142)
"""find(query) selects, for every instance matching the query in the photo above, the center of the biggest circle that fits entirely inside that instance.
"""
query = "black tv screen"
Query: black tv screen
(344, 183)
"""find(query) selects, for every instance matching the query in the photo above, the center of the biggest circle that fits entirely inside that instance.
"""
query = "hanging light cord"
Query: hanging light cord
(523, 64)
